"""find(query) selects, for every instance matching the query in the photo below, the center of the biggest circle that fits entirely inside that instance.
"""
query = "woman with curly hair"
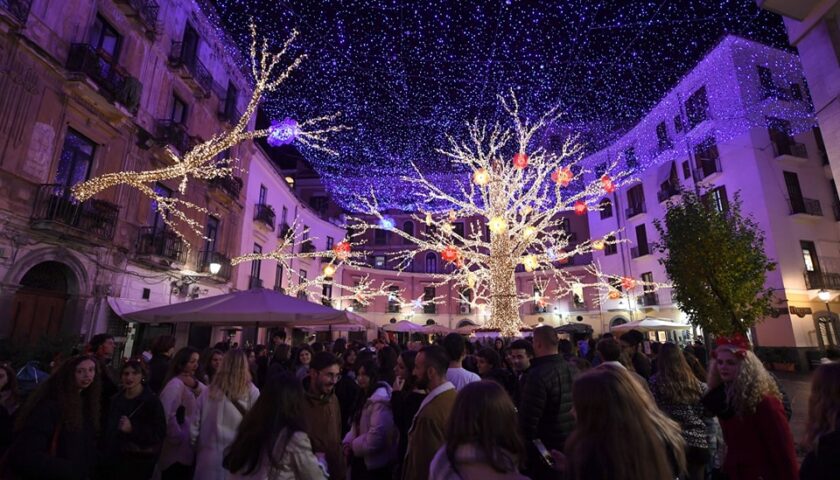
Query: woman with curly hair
(57, 426)
(822, 431)
(748, 403)
(222, 407)
(677, 392)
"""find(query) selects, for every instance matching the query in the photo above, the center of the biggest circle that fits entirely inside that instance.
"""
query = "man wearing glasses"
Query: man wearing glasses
(322, 412)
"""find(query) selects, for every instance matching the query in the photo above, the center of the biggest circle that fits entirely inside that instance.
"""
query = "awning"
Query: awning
(126, 306)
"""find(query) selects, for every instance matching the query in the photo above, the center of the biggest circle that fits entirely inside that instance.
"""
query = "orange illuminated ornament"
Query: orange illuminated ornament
(450, 254)
(607, 183)
(614, 295)
(562, 176)
(580, 207)
(520, 161)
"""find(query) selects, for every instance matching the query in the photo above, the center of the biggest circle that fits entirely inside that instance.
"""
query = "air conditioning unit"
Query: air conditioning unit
(464, 309)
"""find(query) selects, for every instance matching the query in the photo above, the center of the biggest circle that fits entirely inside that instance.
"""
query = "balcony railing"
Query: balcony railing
(706, 168)
(265, 214)
(636, 209)
(283, 230)
(19, 9)
(174, 134)
(665, 193)
(792, 149)
(255, 282)
(307, 246)
(199, 73)
(818, 280)
(805, 206)
(162, 243)
(55, 204)
(145, 11)
(114, 83)
(648, 299)
(641, 250)
(231, 185)
(206, 257)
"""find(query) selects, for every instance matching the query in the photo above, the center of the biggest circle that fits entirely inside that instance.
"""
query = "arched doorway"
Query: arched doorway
(617, 321)
(40, 303)
(827, 327)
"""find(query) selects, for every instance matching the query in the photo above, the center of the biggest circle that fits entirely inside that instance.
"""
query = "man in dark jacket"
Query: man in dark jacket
(323, 413)
(545, 407)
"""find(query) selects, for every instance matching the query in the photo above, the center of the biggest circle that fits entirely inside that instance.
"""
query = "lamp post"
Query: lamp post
(824, 295)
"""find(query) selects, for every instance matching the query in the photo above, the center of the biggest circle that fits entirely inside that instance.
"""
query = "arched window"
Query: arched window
(431, 263)
(606, 208)
(408, 228)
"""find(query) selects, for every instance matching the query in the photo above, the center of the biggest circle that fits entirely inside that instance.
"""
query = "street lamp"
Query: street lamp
(215, 268)
(825, 296)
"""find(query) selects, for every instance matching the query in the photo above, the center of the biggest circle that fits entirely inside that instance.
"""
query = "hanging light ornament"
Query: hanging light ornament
(428, 218)
(598, 244)
(342, 249)
(329, 270)
(471, 279)
(614, 294)
(628, 283)
(481, 177)
(450, 254)
(607, 184)
(562, 176)
(386, 223)
(527, 209)
(497, 225)
(529, 232)
(282, 133)
(452, 216)
(580, 207)
(520, 161)
(530, 263)
(446, 228)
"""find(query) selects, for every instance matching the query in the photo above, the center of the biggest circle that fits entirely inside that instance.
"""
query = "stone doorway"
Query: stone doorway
(39, 305)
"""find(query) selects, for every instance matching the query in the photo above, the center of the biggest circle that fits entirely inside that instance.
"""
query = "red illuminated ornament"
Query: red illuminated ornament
(450, 254)
(562, 176)
(580, 207)
(342, 249)
(607, 183)
(628, 283)
(520, 161)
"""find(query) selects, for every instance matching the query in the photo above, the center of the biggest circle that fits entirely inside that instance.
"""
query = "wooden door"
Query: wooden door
(37, 313)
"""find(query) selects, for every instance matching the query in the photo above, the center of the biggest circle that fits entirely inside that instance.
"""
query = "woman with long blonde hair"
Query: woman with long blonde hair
(822, 432)
(677, 393)
(222, 407)
(746, 399)
(620, 434)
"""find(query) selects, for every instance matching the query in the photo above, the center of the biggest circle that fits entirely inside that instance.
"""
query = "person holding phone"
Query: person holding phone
(482, 438)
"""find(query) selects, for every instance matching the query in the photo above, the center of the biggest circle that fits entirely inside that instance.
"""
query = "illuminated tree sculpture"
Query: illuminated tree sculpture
(202, 162)
(519, 189)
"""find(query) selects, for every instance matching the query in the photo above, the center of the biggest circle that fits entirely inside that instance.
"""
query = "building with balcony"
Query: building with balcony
(730, 130)
(131, 78)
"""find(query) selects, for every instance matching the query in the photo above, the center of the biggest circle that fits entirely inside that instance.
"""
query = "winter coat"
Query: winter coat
(405, 404)
(428, 432)
(295, 461)
(323, 426)
(133, 455)
(472, 465)
(158, 366)
(176, 445)
(823, 463)
(375, 438)
(759, 445)
(214, 429)
(689, 416)
(75, 456)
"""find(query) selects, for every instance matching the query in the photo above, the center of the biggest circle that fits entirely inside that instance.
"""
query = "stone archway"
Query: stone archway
(616, 321)
(40, 305)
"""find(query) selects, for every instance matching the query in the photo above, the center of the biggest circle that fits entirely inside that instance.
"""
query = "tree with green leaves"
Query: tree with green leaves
(715, 260)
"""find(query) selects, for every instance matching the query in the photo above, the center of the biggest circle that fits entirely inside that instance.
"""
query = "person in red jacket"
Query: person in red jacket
(748, 403)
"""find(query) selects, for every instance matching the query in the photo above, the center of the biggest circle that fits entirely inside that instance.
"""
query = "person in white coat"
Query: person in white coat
(221, 409)
(271, 443)
(179, 398)
(372, 443)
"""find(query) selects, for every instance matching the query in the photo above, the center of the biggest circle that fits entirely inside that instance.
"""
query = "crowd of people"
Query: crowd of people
(454, 409)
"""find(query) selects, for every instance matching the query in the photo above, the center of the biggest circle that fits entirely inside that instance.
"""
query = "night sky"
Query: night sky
(404, 73)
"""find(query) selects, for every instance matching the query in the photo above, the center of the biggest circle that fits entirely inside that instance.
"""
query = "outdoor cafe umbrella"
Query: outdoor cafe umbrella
(574, 328)
(258, 307)
(649, 324)
(403, 326)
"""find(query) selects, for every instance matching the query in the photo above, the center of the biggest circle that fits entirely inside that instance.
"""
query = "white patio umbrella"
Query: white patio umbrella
(436, 329)
(403, 326)
(258, 307)
(649, 324)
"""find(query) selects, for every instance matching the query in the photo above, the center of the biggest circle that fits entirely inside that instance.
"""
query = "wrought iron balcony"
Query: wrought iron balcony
(792, 149)
(637, 209)
(199, 77)
(641, 250)
(284, 230)
(706, 168)
(307, 246)
(230, 185)
(55, 206)
(145, 11)
(264, 213)
(161, 242)
(18, 9)
(818, 280)
(174, 134)
(114, 83)
(667, 192)
(206, 257)
(648, 299)
(805, 206)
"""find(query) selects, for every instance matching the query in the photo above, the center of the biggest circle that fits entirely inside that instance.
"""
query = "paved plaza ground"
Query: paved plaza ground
(798, 388)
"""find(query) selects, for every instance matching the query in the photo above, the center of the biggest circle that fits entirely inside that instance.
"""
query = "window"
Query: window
(256, 264)
(795, 91)
(304, 235)
(697, 108)
(431, 231)
(301, 280)
(717, 199)
(706, 158)
(465, 299)
(263, 195)
(458, 230)
(662, 138)
(678, 124)
(380, 237)
(428, 299)
(577, 296)
(212, 233)
(809, 256)
(230, 101)
(797, 201)
(540, 305)
(178, 114)
(606, 208)
(105, 39)
(635, 200)
(647, 279)
(610, 248)
(765, 77)
(278, 278)
(630, 157)
(319, 204)
(326, 293)
(408, 228)
(600, 170)
(379, 261)
(283, 215)
(686, 167)
(155, 218)
(189, 45)
(431, 263)
(642, 246)
(330, 242)
(75, 161)
(393, 299)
